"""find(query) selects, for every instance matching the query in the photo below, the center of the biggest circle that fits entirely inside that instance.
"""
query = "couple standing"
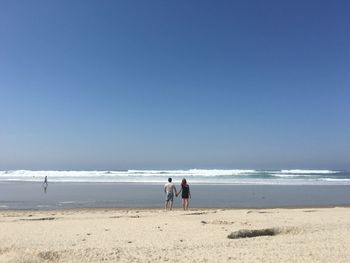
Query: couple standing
(169, 189)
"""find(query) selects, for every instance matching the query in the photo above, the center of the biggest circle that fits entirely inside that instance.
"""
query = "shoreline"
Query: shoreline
(175, 209)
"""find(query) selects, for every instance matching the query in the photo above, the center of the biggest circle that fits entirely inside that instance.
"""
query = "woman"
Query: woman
(186, 193)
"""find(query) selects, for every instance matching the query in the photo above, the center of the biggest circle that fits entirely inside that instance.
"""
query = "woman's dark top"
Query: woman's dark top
(185, 191)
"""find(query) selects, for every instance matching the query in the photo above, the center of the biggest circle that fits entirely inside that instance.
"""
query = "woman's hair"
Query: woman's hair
(184, 182)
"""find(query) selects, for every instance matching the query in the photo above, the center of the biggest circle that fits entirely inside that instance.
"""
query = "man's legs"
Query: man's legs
(170, 198)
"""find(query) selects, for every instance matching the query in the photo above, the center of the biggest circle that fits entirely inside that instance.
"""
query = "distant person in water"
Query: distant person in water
(169, 189)
(45, 184)
(185, 194)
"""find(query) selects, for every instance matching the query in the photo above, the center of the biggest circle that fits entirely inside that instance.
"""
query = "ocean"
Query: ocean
(23, 189)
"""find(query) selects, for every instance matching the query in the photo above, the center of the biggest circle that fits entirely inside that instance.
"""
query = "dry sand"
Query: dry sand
(146, 235)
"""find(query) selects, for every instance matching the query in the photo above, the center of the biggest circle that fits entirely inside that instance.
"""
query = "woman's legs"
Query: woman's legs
(185, 203)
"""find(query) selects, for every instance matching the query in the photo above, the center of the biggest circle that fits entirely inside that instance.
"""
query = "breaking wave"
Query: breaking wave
(196, 176)
(297, 171)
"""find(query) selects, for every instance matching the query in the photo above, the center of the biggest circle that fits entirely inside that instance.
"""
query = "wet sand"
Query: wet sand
(31, 195)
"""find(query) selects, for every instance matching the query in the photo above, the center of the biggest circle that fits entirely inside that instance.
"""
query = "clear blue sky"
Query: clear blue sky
(174, 84)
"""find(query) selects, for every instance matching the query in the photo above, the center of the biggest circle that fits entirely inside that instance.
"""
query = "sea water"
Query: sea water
(23, 189)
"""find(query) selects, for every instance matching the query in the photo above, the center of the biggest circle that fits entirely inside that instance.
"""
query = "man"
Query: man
(169, 189)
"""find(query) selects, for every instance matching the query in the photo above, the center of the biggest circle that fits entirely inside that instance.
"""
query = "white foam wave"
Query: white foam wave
(129, 173)
(293, 175)
(336, 179)
(298, 171)
(198, 172)
(199, 176)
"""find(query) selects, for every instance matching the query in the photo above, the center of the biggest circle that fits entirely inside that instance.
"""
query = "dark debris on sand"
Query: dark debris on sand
(247, 233)
(38, 219)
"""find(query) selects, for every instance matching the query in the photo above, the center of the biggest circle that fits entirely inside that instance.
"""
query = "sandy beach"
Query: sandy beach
(153, 235)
